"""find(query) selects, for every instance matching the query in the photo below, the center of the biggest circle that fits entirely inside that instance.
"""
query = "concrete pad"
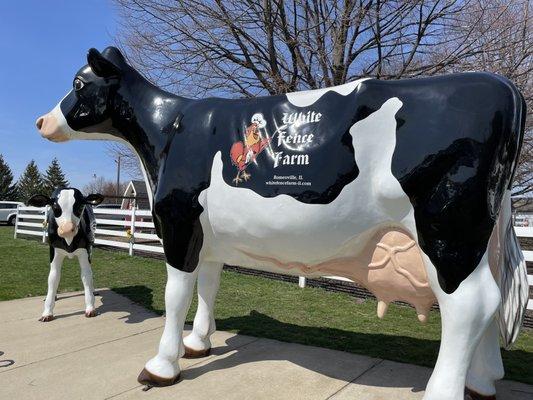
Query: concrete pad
(75, 357)
(118, 318)
(398, 381)
(66, 303)
(387, 380)
(97, 372)
(84, 358)
(265, 369)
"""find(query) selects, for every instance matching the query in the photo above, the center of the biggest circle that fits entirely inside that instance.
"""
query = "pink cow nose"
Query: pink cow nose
(49, 127)
(66, 228)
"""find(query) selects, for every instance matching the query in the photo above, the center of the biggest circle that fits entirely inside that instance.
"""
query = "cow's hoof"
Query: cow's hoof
(191, 353)
(91, 314)
(151, 380)
(472, 395)
(46, 318)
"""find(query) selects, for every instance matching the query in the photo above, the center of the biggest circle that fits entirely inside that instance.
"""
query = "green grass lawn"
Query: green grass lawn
(254, 306)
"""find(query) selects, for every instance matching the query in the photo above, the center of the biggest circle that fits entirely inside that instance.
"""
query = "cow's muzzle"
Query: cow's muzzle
(50, 129)
(67, 229)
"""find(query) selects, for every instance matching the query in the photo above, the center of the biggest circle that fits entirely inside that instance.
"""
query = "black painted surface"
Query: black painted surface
(458, 140)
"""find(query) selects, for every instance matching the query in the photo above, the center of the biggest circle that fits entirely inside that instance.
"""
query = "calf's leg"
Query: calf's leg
(87, 280)
(163, 369)
(197, 343)
(487, 366)
(466, 314)
(53, 282)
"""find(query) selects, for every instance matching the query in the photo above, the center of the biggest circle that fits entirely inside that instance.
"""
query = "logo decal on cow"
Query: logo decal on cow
(286, 145)
(244, 152)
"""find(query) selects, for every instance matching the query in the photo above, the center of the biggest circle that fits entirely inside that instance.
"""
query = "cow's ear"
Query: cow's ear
(39, 200)
(100, 65)
(94, 199)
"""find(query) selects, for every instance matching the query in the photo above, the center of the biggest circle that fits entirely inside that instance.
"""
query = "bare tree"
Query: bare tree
(247, 47)
(501, 33)
(96, 185)
(104, 187)
(129, 162)
(250, 47)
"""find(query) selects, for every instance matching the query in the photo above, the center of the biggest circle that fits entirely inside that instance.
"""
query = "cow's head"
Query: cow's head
(85, 112)
(67, 205)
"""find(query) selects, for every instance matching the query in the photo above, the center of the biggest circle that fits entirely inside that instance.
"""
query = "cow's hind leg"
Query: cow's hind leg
(53, 282)
(163, 369)
(487, 366)
(466, 314)
(87, 280)
(198, 344)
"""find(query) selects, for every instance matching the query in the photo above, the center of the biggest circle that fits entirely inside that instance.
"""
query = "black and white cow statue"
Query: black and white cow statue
(70, 226)
(402, 186)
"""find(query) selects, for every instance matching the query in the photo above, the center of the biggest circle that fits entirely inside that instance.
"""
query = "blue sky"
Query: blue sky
(42, 45)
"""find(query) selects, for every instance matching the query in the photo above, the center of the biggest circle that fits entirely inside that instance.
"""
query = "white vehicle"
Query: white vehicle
(8, 211)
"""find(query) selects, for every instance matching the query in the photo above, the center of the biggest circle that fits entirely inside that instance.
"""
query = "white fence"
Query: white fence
(134, 230)
(134, 225)
(125, 229)
(31, 221)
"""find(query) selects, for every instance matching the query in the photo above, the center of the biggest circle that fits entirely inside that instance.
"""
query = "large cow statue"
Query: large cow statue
(70, 226)
(403, 186)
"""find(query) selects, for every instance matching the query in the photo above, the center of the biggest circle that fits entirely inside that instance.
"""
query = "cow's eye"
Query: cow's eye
(78, 209)
(78, 84)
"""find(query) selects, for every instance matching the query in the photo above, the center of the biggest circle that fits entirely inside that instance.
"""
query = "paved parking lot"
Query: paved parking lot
(78, 358)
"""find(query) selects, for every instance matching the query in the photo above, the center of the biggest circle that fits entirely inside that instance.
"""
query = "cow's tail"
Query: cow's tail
(512, 277)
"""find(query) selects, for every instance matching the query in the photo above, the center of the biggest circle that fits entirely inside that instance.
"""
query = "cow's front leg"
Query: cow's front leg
(53, 282)
(487, 366)
(87, 280)
(198, 344)
(163, 369)
(466, 314)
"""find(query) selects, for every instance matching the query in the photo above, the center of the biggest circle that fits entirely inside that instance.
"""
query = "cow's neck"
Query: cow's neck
(145, 116)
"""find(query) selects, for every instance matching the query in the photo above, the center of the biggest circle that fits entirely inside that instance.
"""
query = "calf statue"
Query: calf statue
(402, 186)
(70, 225)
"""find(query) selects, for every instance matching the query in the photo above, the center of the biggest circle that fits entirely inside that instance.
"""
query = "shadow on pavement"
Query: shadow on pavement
(111, 302)
(399, 349)
(135, 295)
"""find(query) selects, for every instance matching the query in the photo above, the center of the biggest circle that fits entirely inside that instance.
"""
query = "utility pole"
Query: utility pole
(118, 177)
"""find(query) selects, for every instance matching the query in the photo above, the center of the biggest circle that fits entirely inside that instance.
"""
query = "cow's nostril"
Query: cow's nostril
(39, 123)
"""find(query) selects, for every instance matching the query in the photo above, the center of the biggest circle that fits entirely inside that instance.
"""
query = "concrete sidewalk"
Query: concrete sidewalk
(78, 358)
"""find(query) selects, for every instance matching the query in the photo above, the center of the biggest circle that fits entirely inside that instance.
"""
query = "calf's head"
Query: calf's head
(86, 111)
(67, 206)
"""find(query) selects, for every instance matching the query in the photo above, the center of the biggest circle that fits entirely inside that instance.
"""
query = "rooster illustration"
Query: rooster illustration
(242, 154)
